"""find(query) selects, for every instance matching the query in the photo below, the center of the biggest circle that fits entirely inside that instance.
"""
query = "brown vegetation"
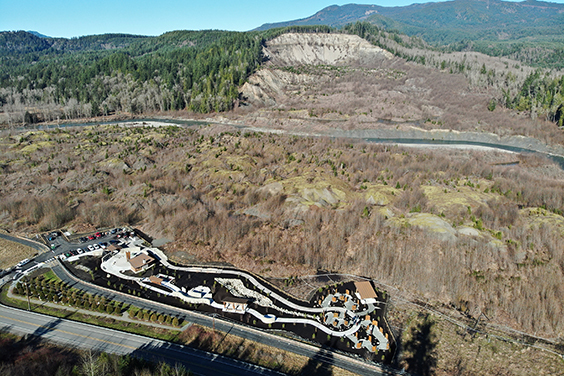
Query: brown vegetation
(11, 253)
(31, 356)
(256, 353)
(440, 91)
(281, 206)
(454, 350)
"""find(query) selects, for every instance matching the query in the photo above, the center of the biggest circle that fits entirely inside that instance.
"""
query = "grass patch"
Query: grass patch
(195, 336)
(50, 276)
(108, 322)
(11, 253)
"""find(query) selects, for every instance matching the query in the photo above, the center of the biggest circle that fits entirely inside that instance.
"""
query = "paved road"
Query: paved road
(85, 336)
(34, 245)
(312, 352)
(322, 355)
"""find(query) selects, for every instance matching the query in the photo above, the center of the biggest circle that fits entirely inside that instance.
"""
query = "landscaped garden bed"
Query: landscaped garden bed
(89, 269)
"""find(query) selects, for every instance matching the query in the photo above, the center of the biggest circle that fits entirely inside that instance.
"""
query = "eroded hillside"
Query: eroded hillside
(316, 82)
(326, 49)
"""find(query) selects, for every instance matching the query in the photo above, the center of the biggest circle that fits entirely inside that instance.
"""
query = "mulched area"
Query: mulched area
(191, 280)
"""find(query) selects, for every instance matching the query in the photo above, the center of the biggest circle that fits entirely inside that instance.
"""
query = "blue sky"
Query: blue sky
(73, 18)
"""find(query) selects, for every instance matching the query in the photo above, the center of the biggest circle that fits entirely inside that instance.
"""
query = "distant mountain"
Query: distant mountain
(451, 21)
(333, 15)
(37, 34)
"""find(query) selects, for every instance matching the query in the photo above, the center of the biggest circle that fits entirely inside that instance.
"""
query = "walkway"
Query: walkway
(118, 263)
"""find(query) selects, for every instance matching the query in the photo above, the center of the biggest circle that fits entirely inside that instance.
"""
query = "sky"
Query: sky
(75, 18)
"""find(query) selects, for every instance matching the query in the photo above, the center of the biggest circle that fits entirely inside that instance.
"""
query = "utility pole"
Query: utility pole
(27, 294)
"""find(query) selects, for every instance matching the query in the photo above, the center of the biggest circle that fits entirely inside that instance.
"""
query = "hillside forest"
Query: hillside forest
(47, 79)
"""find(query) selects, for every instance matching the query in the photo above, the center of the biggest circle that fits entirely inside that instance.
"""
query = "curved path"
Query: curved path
(319, 354)
(108, 266)
(117, 263)
(256, 283)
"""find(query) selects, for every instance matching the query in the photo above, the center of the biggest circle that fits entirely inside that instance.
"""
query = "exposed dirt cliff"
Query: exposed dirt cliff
(334, 82)
(269, 86)
(332, 49)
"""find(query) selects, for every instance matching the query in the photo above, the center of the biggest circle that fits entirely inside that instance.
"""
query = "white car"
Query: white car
(91, 248)
(80, 251)
(22, 263)
(96, 246)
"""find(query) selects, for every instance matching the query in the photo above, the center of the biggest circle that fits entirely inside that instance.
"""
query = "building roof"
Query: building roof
(113, 247)
(140, 260)
(365, 290)
(156, 280)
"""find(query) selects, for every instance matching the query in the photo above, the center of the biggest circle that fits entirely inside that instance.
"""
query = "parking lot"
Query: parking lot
(60, 245)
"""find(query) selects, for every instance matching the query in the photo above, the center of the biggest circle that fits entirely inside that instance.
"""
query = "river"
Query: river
(427, 138)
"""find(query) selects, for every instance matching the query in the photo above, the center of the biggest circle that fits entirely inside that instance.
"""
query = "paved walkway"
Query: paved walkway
(248, 333)
(117, 263)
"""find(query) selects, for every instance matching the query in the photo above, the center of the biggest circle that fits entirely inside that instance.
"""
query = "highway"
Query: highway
(85, 336)
(326, 356)
(322, 355)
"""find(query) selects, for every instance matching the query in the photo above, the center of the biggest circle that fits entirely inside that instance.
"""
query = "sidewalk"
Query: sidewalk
(123, 317)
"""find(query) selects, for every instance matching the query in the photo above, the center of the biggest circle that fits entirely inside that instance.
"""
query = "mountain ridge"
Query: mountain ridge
(465, 19)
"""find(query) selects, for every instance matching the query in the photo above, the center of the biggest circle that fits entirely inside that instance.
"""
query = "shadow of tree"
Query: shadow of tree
(421, 348)
(319, 365)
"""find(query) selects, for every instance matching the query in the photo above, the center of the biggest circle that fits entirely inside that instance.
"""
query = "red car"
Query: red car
(91, 237)
(98, 234)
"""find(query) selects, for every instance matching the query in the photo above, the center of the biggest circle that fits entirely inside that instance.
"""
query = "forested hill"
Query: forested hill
(493, 27)
(102, 74)
(47, 79)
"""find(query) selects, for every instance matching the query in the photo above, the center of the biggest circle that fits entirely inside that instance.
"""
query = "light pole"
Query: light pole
(27, 294)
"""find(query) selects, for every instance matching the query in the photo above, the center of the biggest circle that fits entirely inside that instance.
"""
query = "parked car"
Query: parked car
(74, 252)
(90, 247)
(22, 263)
(80, 251)
(91, 237)
(96, 246)
(98, 234)
(104, 245)
(68, 254)
(83, 239)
